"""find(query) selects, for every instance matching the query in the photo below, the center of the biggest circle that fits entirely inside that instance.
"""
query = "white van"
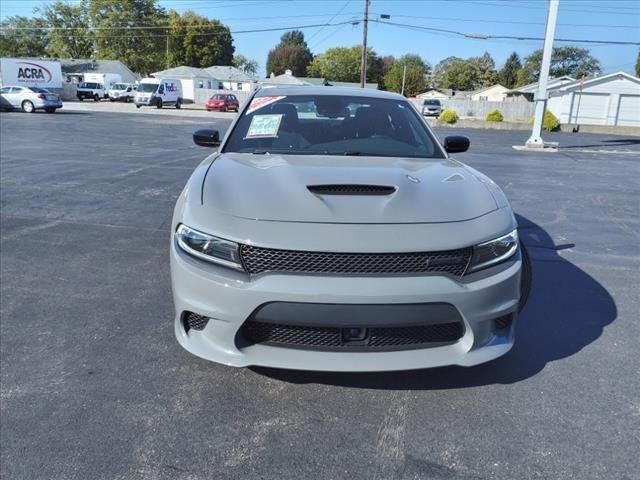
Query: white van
(159, 92)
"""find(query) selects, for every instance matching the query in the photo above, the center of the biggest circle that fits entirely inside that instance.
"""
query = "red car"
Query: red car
(223, 102)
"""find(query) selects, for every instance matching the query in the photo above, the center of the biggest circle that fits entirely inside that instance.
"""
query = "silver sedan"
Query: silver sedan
(29, 99)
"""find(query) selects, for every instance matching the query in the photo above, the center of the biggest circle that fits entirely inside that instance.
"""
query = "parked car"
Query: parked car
(29, 99)
(92, 91)
(223, 102)
(342, 241)
(431, 107)
(158, 92)
(122, 92)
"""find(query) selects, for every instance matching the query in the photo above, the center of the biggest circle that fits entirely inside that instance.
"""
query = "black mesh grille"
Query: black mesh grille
(504, 322)
(193, 321)
(260, 260)
(332, 338)
(351, 189)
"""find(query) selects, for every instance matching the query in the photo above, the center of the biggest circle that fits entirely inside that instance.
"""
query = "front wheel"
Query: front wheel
(96, 98)
(178, 104)
(526, 277)
(159, 104)
(28, 107)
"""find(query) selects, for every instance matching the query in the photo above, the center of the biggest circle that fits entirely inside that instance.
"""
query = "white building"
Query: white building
(494, 93)
(612, 99)
(232, 78)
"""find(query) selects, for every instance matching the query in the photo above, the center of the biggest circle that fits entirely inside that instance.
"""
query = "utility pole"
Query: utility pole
(535, 141)
(363, 61)
(166, 57)
(404, 76)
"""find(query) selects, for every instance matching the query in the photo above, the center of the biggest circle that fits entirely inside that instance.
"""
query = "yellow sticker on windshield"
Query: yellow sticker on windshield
(264, 126)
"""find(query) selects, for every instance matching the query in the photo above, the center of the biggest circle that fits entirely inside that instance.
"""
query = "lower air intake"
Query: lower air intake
(193, 321)
(350, 339)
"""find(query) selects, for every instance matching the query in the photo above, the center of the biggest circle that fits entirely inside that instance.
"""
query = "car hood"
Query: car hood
(275, 188)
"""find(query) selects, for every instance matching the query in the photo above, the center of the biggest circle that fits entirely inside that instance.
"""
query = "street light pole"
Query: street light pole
(535, 140)
(363, 59)
(404, 77)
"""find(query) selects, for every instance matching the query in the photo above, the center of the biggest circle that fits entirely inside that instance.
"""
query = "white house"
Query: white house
(527, 92)
(232, 78)
(494, 93)
(612, 99)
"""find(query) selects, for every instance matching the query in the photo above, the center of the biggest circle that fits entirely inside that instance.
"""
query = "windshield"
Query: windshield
(119, 86)
(333, 125)
(432, 102)
(148, 87)
(89, 85)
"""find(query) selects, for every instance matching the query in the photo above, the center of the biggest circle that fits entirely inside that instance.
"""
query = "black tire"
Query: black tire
(28, 107)
(137, 106)
(50, 110)
(96, 98)
(112, 99)
(159, 104)
(81, 98)
(178, 104)
(526, 277)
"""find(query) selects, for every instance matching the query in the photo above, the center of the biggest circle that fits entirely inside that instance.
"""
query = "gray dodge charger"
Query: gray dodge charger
(331, 230)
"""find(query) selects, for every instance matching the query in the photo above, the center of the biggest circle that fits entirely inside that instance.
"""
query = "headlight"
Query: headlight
(208, 247)
(493, 252)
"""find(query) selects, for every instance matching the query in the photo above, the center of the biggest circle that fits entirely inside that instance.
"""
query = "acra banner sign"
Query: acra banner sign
(31, 73)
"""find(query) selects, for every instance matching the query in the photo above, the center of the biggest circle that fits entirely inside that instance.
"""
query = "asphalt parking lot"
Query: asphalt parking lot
(94, 386)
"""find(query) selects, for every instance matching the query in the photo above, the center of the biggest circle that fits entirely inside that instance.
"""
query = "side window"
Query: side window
(5, 90)
(161, 88)
(16, 89)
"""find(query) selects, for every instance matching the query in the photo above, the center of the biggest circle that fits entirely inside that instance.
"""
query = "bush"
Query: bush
(494, 116)
(448, 116)
(550, 122)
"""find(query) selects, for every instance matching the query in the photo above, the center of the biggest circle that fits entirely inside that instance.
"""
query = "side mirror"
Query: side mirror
(206, 138)
(456, 143)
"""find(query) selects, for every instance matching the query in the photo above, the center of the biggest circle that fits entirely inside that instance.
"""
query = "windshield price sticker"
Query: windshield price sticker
(259, 102)
(264, 126)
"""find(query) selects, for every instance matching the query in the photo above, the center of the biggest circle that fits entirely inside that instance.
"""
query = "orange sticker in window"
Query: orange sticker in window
(259, 102)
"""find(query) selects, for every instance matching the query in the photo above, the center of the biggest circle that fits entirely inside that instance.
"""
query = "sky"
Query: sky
(617, 20)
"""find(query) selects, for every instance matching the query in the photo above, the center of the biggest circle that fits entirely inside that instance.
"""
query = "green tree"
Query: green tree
(342, 64)
(573, 61)
(70, 36)
(199, 42)
(141, 49)
(458, 74)
(292, 53)
(245, 64)
(508, 74)
(415, 78)
(23, 37)
(486, 69)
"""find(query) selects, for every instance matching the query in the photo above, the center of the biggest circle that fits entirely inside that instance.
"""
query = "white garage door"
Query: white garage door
(591, 109)
(629, 110)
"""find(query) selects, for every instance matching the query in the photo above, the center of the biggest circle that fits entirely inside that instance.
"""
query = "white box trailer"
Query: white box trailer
(29, 72)
(106, 79)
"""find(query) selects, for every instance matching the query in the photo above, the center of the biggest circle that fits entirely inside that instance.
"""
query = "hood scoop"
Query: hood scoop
(349, 189)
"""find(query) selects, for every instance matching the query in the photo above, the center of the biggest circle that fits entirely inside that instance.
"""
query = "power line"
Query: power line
(481, 36)
(330, 20)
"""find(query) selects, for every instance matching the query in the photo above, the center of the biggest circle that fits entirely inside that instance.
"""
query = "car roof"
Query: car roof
(326, 90)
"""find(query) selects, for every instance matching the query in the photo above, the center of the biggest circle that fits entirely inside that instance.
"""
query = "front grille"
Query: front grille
(259, 260)
(333, 338)
(351, 189)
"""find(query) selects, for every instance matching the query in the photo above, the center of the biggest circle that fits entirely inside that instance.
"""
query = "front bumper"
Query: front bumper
(228, 298)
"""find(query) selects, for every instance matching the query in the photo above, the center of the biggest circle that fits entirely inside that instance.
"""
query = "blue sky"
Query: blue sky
(617, 20)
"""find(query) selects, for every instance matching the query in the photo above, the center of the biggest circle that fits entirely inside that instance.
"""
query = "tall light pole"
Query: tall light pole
(535, 140)
(363, 59)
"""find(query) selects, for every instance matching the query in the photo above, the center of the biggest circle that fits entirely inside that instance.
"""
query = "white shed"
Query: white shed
(612, 99)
